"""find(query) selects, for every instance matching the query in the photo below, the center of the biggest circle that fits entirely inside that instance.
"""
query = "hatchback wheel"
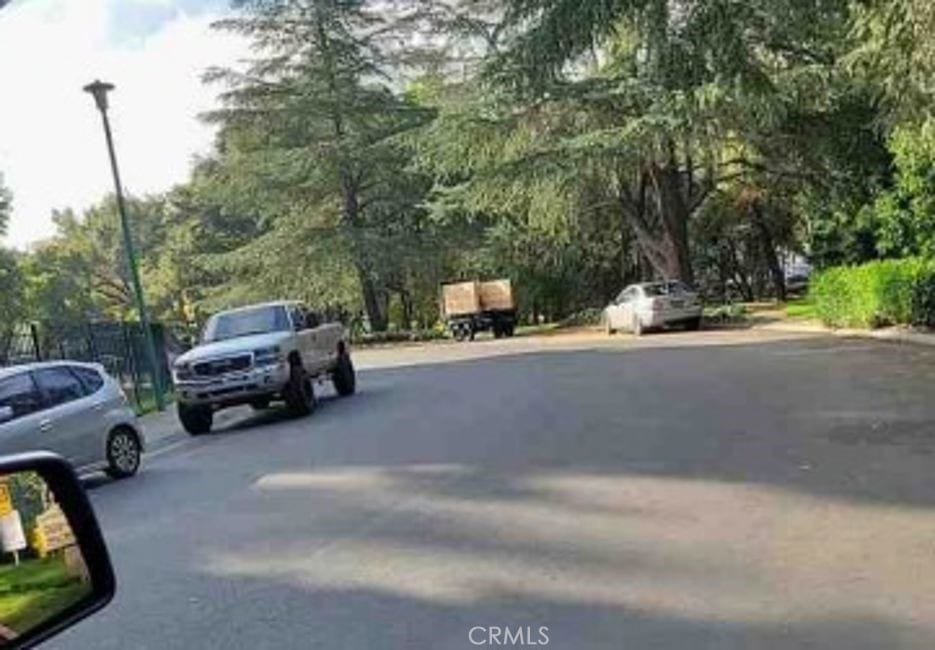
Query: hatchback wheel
(123, 453)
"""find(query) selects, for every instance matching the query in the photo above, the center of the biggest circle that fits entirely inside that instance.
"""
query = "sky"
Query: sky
(52, 151)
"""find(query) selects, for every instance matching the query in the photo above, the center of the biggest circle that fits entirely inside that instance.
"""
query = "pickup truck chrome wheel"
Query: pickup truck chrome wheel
(344, 377)
(195, 419)
(300, 393)
(123, 453)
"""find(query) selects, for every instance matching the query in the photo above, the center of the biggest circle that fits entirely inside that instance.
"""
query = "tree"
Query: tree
(666, 91)
(6, 207)
(892, 46)
(317, 126)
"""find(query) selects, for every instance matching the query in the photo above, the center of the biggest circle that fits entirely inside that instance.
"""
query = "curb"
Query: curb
(891, 334)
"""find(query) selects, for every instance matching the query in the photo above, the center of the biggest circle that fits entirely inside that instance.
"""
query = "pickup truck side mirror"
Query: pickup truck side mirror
(59, 573)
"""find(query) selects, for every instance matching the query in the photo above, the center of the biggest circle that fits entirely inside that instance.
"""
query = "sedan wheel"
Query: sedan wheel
(123, 453)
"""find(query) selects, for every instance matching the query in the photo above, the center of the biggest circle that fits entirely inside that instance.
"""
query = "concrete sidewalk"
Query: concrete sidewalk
(894, 334)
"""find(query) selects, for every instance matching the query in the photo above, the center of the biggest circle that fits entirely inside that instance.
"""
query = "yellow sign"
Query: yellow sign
(53, 531)
(6, 501)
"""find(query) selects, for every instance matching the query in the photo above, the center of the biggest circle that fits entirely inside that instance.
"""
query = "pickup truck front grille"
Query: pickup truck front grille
(217, 367)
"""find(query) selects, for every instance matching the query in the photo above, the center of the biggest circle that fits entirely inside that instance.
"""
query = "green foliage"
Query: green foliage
(904, 216)
(12, 298)
(726, 313)
(6, 206)
(875, 294)
(585, 318)
(370, 151)
(893, 47)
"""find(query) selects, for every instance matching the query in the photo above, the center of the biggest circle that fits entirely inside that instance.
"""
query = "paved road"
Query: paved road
(711, 490)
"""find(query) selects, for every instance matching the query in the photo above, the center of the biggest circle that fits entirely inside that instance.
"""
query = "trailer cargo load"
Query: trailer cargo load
(471, 307)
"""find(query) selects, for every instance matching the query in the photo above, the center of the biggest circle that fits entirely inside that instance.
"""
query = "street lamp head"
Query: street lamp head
(99, 90)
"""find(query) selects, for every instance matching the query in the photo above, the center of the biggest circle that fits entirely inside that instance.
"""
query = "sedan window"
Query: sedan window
(19, 393)
(59, 385)
(655, 289)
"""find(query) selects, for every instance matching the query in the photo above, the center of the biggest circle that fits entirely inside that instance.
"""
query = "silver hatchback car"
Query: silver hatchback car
(73, 409)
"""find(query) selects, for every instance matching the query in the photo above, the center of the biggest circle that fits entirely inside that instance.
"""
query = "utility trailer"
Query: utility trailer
(471, 307)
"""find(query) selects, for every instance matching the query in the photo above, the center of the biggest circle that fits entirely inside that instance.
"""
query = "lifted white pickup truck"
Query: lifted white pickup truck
(257, 354)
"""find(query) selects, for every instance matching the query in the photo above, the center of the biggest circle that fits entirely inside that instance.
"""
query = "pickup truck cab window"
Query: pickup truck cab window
(312, 320)
(297, 315)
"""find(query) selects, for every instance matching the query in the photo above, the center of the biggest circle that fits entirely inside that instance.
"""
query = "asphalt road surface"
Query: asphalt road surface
(706, 490)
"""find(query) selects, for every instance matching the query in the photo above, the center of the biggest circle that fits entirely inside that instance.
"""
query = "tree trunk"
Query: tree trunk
(663, 240)
(674, 218)
(406, 299)
(769, 251)
(373, 305)
(740, 275)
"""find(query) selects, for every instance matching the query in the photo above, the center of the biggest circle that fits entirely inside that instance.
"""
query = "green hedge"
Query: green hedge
(876, 294)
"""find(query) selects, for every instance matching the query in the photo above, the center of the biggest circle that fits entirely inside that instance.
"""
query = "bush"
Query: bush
(876, 294)
(585, 317)
(378, 338)
(726, 313)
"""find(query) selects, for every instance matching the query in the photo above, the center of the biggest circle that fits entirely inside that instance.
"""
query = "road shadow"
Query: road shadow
(231, 611)
(667, 497)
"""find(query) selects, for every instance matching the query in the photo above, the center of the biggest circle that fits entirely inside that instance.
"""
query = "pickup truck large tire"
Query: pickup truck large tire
(300, 393)
(195, 419)
(343, 376)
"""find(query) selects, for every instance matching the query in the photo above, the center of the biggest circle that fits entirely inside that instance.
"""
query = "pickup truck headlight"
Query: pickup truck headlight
(182, 371)
(270, 356)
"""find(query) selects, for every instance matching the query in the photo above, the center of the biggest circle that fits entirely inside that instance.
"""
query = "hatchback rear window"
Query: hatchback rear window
(60, 385)
(91, 379)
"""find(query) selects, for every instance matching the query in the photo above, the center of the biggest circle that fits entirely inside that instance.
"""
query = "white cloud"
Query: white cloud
(51, 144)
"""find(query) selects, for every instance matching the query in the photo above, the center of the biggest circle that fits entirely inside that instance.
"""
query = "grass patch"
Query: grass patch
(147, 400)
(533, 330)
(36, 590)
(801, 309)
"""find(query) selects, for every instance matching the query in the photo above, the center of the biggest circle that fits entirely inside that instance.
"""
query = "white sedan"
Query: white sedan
(653, 304)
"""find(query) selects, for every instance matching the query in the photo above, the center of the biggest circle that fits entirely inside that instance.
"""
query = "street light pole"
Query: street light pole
(99, 90)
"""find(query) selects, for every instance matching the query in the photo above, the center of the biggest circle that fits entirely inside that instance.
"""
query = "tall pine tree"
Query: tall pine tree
(318, 126)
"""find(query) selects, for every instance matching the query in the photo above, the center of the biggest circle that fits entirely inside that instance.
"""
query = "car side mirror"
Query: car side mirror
(54, 568)
(6, 414)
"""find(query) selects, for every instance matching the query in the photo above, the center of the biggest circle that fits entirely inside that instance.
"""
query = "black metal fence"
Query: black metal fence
(118, 346)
